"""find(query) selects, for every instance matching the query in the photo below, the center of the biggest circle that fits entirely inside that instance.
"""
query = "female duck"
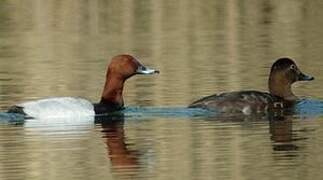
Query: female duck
(119, 70)
(283, 74)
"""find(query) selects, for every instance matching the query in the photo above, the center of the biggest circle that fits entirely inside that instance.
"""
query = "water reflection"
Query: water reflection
(124, 162)
(134, 148)
(286, 142)
(281, 130)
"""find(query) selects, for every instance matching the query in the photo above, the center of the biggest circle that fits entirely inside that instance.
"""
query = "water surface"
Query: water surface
(61, 48)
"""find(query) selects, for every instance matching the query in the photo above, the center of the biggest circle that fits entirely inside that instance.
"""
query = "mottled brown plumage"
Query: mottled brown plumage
(283, 74)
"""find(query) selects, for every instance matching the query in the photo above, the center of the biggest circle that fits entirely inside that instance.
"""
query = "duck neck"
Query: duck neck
(281, 87)
(112, 92)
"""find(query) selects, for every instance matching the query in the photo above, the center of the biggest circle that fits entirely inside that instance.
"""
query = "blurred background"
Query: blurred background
(61, 48)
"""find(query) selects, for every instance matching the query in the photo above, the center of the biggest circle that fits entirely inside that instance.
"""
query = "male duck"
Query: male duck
(119, 70)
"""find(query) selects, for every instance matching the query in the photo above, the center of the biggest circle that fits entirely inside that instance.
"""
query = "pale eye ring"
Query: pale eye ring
(292, 66)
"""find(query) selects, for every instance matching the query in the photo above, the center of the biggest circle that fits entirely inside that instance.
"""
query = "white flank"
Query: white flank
(58, 107)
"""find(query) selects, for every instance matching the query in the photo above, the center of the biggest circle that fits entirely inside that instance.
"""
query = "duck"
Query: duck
(121, 68)
(284, 72)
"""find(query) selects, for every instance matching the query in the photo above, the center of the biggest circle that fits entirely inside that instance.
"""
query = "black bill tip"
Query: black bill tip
(304, 77)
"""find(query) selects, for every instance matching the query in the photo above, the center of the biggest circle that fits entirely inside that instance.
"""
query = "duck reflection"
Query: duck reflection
(126, 162)
(281, 130)
(122, 159)
(280, 127)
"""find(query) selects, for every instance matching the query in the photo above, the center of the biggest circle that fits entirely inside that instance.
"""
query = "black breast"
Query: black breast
(16, 109)
(103, 108)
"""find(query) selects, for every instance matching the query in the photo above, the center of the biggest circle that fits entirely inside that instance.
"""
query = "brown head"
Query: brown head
(120, 69)
(284, 72)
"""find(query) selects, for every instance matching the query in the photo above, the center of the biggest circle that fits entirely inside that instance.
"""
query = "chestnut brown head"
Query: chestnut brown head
(284, 72)
(120, 69)
(125, 66)
(288, 70)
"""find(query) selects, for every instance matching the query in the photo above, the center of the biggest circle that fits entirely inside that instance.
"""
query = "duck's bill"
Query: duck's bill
(145, 70)
(304, 77)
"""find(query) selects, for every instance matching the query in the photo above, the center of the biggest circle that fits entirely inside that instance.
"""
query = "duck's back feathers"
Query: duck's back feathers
(245, 102)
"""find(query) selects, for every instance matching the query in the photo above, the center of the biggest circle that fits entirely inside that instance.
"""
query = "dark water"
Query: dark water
(61, 48)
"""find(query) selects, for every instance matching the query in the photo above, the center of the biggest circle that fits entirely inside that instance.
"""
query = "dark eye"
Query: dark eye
(293, 67)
